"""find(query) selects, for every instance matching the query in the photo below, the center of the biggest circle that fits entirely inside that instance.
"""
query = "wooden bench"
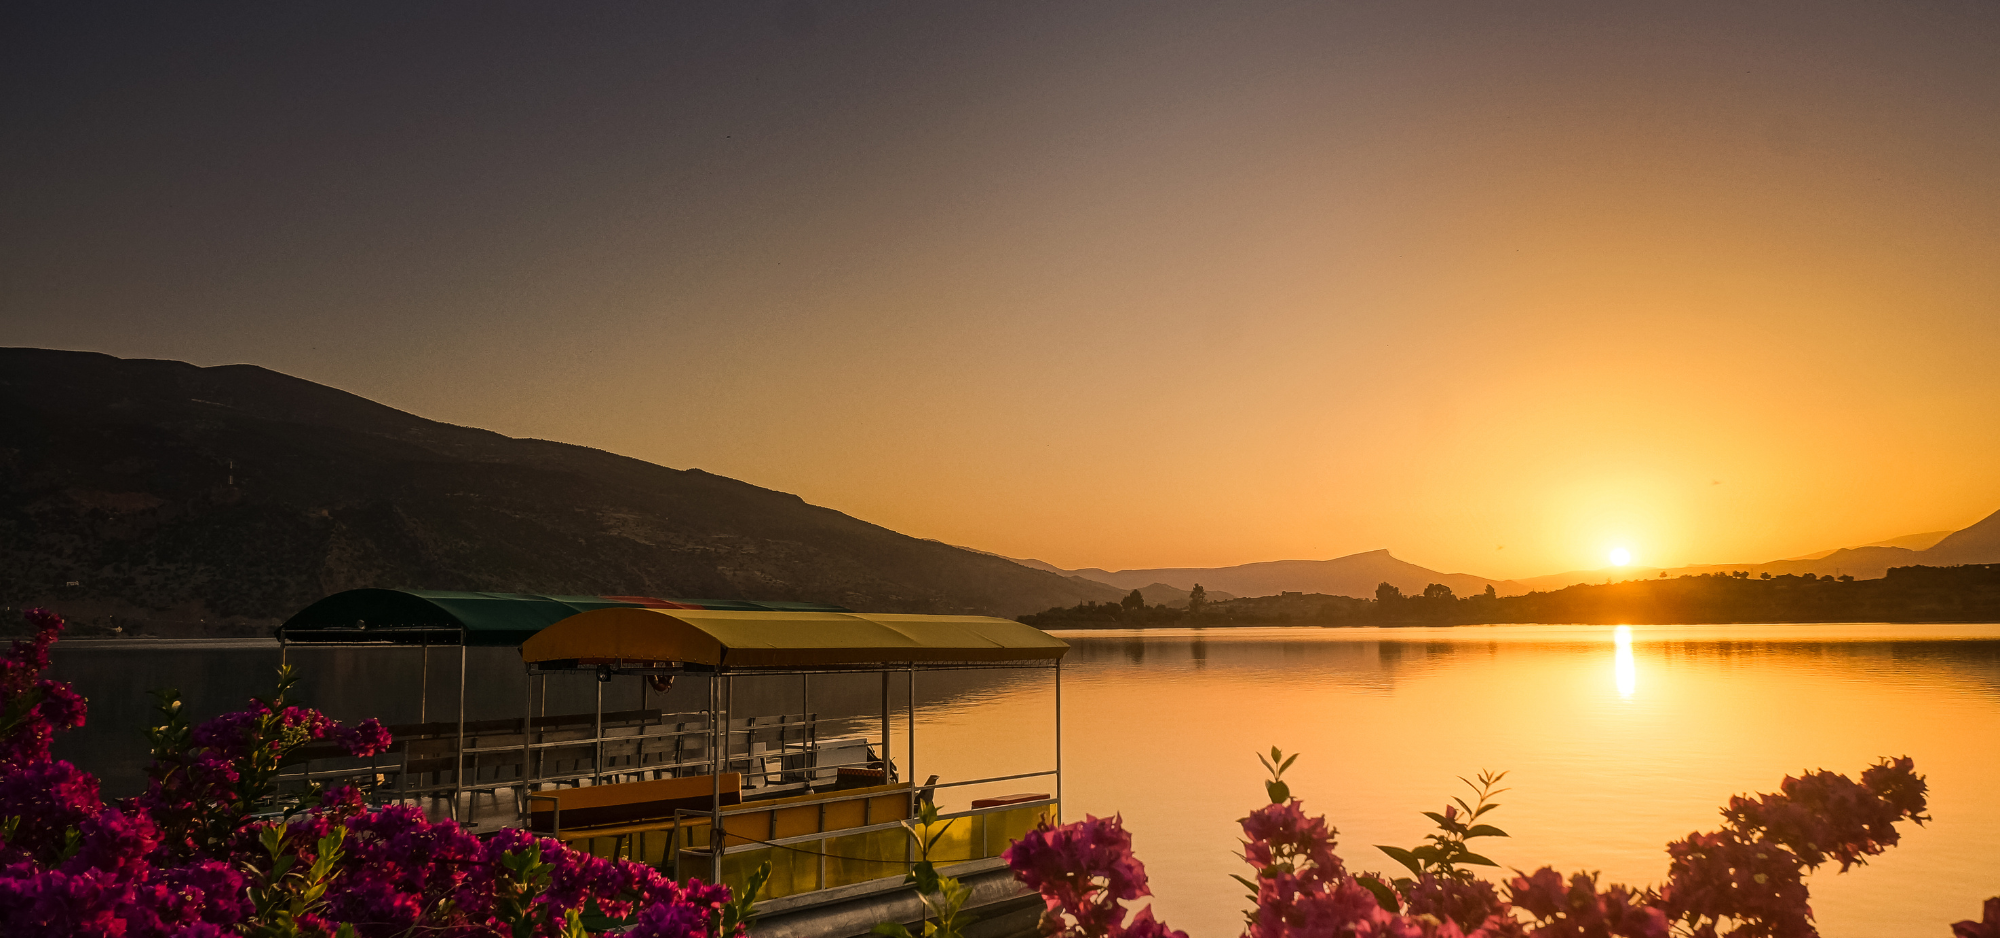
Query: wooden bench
(593, 808)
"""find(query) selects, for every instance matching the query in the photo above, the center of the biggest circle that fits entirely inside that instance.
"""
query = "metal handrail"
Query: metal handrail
(996, 778)
(869, 828)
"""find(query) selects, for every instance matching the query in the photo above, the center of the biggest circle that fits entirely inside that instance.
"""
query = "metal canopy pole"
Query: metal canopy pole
(885, 727)
(458, 776)
(715, 780)
(527, 735)
(424, 682)
(1059, 793)
(597, 760)
(910, 740)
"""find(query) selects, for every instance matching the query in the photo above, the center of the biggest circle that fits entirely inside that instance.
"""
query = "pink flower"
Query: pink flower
(1084, 870)
(41, 706)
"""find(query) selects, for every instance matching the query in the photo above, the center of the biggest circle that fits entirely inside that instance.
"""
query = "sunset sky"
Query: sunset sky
(1497, 286)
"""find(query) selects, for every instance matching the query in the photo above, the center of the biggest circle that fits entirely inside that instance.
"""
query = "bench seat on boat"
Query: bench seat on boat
(628, 804)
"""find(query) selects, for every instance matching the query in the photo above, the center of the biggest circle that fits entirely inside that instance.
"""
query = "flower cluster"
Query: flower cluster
(35, 707)
(1578, 908)
(1745, 881)
(189, 858)
(1086, 872)
(1752, 872)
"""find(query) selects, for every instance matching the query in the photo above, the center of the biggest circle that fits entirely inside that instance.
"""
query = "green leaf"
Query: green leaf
(1485, 830)
(891, 930)
(1432, 854)
(1476, 860)
(1384, 896)
(1404, 857)
(1288, 762)
(925, 876)
(1433, 815)
(1246, 884)
(1279, 791)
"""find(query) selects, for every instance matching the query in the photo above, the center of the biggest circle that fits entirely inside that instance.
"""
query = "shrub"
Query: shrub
(1743, 881)
(198, 855)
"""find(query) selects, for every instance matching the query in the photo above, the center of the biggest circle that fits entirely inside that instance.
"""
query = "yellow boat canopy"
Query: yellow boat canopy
(738, 640)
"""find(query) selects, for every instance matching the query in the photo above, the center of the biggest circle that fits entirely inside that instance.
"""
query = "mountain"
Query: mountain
(160, 490)
(1160, 594)
(1977, 544)
(1354, 575)
(1910, 541)
(1357, 574)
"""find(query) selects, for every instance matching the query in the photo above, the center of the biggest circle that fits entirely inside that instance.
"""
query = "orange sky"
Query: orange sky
(1495, 287)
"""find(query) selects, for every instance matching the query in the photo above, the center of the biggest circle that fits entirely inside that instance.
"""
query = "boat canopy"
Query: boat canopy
(444, 617)
(758, 640)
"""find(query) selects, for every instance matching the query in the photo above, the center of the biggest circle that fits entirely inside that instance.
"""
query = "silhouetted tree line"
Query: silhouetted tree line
(1133, 612)
(1969, 593)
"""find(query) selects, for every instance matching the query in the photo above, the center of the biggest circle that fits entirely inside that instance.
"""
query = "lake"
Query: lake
(1615, 742)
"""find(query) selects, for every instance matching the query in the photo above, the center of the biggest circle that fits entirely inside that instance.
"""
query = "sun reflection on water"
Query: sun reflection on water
(1623, 670)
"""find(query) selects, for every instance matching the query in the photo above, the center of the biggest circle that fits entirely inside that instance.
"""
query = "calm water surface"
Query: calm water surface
(1614, 747)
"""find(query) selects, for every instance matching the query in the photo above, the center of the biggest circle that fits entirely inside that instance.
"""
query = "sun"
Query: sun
(1620, 556)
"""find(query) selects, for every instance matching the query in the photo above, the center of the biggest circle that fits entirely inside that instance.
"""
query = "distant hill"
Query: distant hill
(1965, 593)
(1978, 544)
(1160, 594)
(160, 490)
(1354, 575)
(1911, 541)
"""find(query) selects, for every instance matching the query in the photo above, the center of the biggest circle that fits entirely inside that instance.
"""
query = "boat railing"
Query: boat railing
(878, 851)
(429, 763)
(818, 840)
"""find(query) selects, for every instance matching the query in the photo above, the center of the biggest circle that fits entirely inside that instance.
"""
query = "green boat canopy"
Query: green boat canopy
(762, 640)
(444, 617)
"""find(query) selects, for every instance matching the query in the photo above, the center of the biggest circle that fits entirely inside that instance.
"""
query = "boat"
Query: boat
(714, 792)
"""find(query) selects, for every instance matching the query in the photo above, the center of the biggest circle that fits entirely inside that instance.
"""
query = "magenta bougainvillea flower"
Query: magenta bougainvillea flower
(190, 859)
(1085, 872)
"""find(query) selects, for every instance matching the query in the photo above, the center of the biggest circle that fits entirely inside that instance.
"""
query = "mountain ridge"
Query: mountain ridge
(1354, 575)
(237, 492)
(1978, 543)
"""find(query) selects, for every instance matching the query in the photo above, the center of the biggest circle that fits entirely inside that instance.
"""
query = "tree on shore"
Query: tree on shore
(1197, 599)
(1133, 602)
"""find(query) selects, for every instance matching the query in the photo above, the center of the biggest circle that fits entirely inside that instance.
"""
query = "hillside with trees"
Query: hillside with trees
(1967, 593)
(163, 497)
